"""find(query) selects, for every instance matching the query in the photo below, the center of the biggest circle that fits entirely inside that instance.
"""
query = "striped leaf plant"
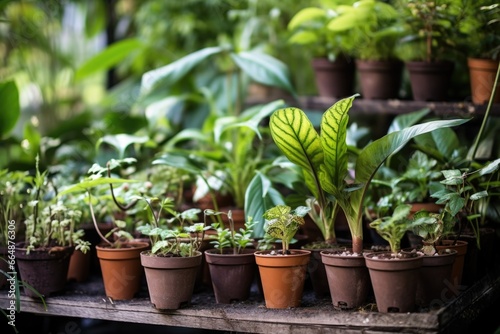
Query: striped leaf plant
(323, 158)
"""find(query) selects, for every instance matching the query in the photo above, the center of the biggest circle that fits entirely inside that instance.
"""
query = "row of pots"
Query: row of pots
(171, 280)
(380, 80)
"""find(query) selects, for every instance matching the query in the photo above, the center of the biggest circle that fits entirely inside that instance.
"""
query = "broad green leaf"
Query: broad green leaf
(490, 168)
(333, 140)
(181, 161)
(310, 14)
(297, 138)
(88, 184)
(376, 152)
(108, 58)
(479, 195)
(9, 106)
(173, 72)
(303, 38)
(403, 121)
(259, 197)
(121, 141)
(264, 69)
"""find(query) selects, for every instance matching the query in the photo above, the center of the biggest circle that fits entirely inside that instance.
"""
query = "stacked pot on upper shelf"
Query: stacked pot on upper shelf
(435, 41)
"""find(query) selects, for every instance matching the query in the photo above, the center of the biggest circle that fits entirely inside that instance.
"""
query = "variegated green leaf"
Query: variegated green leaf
(333, 139)
(297, 138)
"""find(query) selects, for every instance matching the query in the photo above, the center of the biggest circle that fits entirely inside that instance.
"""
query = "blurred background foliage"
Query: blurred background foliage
(77, 65)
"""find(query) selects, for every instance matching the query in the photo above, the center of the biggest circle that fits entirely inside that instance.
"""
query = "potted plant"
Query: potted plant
(221, 159)
(119, 258)
(483, 49)
(437, 266)
(50, 237)
(432, 32)
(172, 264)
(394, 274)
(323, 158)
(231, 262)
(333, 67)
(283, 272)
(374, 27)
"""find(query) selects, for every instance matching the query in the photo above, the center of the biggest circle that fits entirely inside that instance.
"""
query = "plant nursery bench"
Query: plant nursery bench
(87, 300)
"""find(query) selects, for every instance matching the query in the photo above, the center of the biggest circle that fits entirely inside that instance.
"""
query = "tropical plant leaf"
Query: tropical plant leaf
(109, 57)
(404, 121)
(333, 140)
(9, 104)
(90, 183)
(264, 69)
(121, 141)
(173, 72)
(259, 197)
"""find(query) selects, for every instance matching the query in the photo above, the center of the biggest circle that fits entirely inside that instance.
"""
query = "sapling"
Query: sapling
(228, 237)
(282, 223)
(393, 228)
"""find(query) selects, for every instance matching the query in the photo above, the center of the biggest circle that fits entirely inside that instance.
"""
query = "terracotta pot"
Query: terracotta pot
(170, 279)
(394, 281)
(121, 269)
(282, 277)
(232, 274)
(334, 79)
(430, 81)
(482, 77)
(79, 266)
(458, 266)
(380, 80)
(348, 279)
(44, 269)
(435, 279)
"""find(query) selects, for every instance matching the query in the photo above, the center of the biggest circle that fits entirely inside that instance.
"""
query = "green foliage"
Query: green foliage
(9, 104)
(282, 223)
(430, 228)
(228, 237)
(323, 159)
(393, 228)
(310, 26)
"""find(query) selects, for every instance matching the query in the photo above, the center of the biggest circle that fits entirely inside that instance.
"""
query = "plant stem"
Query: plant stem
(95, 222)
(486, 116)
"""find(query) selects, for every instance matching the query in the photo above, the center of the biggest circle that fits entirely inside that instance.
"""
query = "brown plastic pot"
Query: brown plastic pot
(44, 269)
(282, 277)
(458, 265)
(430, 81)
(482, 77)
(379, 80)
(231, 274)
(317, 274)
(79, 266)
(170, 279)
(348, 279)
(121, 269)
(394, 281)
(334, 79)
(435, 279)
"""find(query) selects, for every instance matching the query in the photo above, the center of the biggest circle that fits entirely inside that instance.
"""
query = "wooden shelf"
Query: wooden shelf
(395, 107)
(314, 316)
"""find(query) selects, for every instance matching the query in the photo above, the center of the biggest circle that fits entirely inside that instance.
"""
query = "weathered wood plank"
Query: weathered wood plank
(314, 316)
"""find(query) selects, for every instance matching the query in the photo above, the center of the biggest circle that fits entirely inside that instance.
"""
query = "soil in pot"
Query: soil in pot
(348, 278)
(121, 269)
(232, 274)
(282, 277)
(170, 279)
(44, 269)
(434, 285)
(394, 280)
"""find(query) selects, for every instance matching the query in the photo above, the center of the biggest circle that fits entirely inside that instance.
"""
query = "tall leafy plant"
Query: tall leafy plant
(323, 158)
